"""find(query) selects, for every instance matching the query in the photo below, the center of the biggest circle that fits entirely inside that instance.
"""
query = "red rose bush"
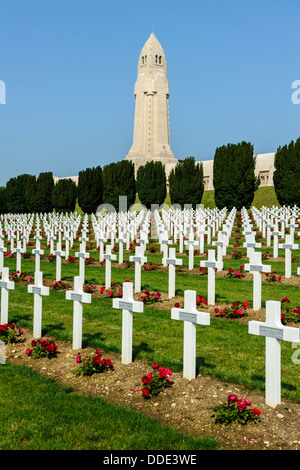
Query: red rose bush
(156, 381)
(235, 411)
(93, 364)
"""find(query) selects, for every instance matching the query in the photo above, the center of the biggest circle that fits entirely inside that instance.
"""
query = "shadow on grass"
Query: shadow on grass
(142, 347)
(201, 365)
(51, 329)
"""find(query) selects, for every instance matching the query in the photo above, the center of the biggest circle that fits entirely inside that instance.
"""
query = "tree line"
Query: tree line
(234, 183)
(99, 186)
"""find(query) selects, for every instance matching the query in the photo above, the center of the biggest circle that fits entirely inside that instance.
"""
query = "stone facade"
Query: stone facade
(264, 169)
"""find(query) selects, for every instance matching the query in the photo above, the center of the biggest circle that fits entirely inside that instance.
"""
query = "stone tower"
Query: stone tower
(151, 136)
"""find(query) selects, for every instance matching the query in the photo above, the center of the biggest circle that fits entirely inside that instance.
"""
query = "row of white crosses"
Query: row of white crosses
(272, 328)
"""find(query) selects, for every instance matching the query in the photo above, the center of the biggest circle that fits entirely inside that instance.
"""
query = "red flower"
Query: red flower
(155, 366)
(145, 392)
(232, 398)
(177, 305)
(146, 379)
(96, 359)
(162, 374)
(256, 411)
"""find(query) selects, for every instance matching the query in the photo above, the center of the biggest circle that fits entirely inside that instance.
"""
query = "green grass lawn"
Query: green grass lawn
(224, 350)
(38, 414)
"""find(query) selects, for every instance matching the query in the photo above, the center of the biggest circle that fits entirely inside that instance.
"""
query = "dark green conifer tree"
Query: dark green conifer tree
(234, 177)
(19, 199)
(64, 195)
(286, 175)
(44, 188)
(3, 205)
(151, 184)
(186, 184)
(90, 189)
(119, 180)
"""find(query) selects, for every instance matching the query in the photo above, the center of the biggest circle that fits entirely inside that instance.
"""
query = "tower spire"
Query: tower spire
(151, 135)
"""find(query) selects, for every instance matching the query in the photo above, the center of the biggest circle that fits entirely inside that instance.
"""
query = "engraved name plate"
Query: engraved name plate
(125, 305)
(76, 297)
(270, 332)
(192, 317)
(36, 290)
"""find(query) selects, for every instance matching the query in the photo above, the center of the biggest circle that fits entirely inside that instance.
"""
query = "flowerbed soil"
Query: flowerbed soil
(185, 406)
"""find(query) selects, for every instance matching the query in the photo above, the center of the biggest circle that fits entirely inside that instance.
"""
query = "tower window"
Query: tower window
(159, 59)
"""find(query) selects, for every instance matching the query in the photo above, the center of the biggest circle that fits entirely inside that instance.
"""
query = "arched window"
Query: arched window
(160, 59)
(143, 60)
(156, 58)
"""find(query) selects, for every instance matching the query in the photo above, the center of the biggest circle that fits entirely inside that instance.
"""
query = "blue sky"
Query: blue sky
(70, 67)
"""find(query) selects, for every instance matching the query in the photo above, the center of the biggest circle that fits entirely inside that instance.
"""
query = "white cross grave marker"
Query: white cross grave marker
(219, 244)
(79, 297)
(5, 285)
(101, 240)
(82, 255)
(191, 243)
(127, 305)
(274, 332)
(257, 268)
(138, 259)
(211, 264)
(37, 252)
(67, 239)
(172, 261)
(108, 257)
(19, 250)
(121, 240)
(2, 251)
(288, 247)
(190, 317)
(58, 253)
(38, 290)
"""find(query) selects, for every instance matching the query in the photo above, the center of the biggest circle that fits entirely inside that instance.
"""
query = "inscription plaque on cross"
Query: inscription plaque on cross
(128, 306)
(190, 317)
(274, 332)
